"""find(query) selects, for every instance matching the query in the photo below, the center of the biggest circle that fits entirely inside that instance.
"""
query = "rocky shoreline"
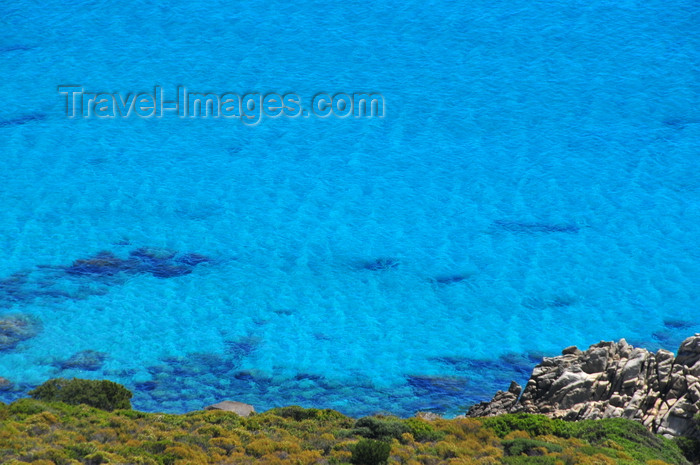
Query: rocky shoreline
(611, 380)
(608, 380)
(617, 400)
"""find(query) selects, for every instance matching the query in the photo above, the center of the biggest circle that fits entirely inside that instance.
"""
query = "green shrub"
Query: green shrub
(536, 425)
(26, 407)
(370, 452)
(156, 447)
(219, 417)
(80, 450)
(300, 413)
(525, 460)
(380, 428)
(633, 437)
(616, 429)
(96, 459)
(690, 448)
(57, 456)
(104, 394)
(133, 414)
(423, 431)
(521, 446)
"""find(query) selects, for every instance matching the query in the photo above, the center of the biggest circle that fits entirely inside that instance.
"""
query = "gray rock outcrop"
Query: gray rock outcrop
(239, 408)
(611, 380)
(5, 384)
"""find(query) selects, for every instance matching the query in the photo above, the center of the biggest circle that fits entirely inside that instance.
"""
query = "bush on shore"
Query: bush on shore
(370, 452)
(101, 394)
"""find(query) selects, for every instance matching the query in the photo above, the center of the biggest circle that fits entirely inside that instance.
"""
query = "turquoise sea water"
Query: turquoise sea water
(534, 184)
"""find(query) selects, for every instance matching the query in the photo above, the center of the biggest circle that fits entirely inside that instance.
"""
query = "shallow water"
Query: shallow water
(534, 184)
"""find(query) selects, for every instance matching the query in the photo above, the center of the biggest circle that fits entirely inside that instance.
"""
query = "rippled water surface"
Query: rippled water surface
(534, 184)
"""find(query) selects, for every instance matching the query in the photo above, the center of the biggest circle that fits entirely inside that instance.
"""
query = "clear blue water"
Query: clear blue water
(546, 152)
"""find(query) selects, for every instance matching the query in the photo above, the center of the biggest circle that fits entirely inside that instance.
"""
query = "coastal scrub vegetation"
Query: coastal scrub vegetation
(69, 432)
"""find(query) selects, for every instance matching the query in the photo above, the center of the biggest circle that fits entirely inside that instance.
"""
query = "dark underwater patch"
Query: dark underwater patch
(679, 324)
(284, 312)
(166, 270)
(10, 391)
(103, 264)
(192, 259)
(307, 376)
(668, 339)
(198, 363)
(24, 119)
(153, 255)
(161, 263)
(243, 347)
(196, 380)
(86, 360)
(438, 384)
(146, 386)
(15, 48)
(663, 337)
(524, 227)
(380, 264)
(679, 123)
(200, 211)
(196, 376)
(94, 275)
(490, 375)
(520, 364)
(17, 328)
(439, 393)
(165, 263)
(548, 302)
(12, 288)
(25, 292)
(449, 279)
